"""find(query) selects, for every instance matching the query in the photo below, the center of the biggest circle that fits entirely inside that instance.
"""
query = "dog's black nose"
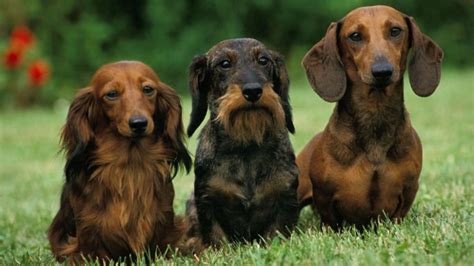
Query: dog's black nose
(382, 72)
(138, 124)
(252, 91)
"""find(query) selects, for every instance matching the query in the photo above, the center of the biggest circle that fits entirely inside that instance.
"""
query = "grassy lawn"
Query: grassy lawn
(438, 230)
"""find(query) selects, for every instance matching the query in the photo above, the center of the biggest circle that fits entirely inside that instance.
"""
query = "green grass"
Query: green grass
(438, 230)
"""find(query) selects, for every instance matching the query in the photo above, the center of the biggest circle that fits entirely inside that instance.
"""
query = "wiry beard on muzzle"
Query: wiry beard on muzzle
(248, 122)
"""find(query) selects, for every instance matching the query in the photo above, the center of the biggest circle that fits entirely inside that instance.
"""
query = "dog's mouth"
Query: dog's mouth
(381, 83)
(137, 135)
(253, 107)
(250, 122)
(132, 135)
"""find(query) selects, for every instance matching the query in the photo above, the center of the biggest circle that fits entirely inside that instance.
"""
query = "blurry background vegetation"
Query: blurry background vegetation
(77, 36)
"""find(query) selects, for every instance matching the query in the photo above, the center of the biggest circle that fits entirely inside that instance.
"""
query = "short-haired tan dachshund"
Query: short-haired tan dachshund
(366, 163)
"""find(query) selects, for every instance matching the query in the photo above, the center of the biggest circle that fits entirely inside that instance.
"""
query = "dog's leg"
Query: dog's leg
(204, 215)
(327, 209)
(62, 231)
(288, 215)
(207, 226)
(192, 243)
(96, 241)
(64, 242)
(406, 200)
(289, 210)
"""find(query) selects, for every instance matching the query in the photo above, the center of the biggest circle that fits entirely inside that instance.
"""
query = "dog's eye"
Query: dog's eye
(225, 64)
(395, 31)
(355, 37)
(263, 60)
(147, 90)
(112, 95)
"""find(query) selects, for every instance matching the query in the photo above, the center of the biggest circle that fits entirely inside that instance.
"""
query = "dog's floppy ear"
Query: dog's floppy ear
(324, 67)
(199, 91)
(78, 132)
(281, 86)
(425, 65)
(168, 119)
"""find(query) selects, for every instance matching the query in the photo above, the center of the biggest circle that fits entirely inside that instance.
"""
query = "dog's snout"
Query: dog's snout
(252, 91)
(138, 124)
(382, 71)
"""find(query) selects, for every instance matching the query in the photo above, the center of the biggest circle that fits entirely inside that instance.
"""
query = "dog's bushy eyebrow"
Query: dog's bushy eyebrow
(395, 23)
(258, 50)
(148, 80)
(216, 57)
(356, 27)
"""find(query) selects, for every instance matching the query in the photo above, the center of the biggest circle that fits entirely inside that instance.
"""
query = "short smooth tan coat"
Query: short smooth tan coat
(367, 161)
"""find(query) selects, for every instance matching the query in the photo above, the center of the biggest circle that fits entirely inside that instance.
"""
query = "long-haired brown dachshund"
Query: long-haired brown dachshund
(123, 141)
(366, 162)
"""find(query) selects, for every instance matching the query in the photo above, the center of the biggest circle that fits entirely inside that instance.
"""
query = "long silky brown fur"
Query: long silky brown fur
(245, 122)
(118, 197)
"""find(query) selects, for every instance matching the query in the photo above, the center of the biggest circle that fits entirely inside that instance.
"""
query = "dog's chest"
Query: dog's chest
(365, 189)
(125, 196)
(249, 182)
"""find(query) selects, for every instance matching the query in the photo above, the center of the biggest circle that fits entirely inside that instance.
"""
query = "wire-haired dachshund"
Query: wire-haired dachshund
(245, 169)
(123, 141)
(367, 161)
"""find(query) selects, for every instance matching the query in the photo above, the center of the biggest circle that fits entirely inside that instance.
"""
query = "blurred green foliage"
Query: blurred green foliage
(78, 36)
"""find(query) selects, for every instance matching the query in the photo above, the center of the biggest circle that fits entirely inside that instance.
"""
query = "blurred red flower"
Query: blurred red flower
(22, 38)
(38, 72)
(12, 57)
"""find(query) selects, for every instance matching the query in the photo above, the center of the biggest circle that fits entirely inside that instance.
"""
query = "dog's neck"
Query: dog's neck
(370, 120)
(271, 137)
(145, 156)
(151, 146)
(252, 128)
